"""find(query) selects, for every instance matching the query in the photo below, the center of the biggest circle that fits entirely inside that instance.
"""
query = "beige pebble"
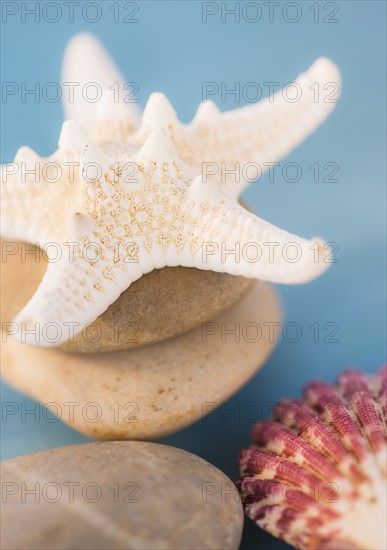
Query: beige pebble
(118, 495)
(162, 304)
(152, 391)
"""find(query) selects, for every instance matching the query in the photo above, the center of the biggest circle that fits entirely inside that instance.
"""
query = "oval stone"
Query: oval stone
(155, 390)
(118, 495)
(164, 303)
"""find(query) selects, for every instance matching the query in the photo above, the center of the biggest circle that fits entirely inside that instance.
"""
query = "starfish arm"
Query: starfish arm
(265, 132)
(83, 278)
(95, 92)
(230, 239)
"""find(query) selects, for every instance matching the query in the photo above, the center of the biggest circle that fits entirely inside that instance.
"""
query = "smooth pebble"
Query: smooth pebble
(118, 495)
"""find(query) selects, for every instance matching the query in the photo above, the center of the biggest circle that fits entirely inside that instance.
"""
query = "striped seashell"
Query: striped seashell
(315, 475)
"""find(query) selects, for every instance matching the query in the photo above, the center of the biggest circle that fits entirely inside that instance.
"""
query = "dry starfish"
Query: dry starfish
(116, 201)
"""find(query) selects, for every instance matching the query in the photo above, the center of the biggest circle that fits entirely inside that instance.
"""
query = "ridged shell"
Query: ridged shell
(315, 475)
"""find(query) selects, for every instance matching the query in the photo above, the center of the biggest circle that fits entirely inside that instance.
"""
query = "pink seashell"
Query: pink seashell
(315, 475)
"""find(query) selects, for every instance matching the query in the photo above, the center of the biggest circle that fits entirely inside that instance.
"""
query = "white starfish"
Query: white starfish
(133, 200)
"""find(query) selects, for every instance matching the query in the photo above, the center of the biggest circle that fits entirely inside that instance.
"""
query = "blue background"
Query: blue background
(171, 50)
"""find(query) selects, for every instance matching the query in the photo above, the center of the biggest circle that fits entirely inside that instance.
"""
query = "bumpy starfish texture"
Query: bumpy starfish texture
(127, 201)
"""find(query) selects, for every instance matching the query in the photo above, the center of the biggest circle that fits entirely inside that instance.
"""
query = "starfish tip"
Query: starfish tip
(207, 113)
(158, 147)
(73, 136)
(159, 111)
